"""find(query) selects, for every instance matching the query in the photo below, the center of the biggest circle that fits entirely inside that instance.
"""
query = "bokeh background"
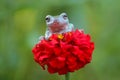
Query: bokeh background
(23, 21)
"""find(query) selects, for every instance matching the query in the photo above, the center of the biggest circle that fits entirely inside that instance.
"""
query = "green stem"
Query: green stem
(67, 76)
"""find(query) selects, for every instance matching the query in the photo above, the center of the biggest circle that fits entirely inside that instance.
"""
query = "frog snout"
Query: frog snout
(56, 22)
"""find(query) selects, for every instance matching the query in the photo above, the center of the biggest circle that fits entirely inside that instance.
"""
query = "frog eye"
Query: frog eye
(47, 18)
(64, 15)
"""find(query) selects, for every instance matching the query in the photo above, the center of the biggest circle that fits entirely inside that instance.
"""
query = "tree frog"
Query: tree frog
(57, 25)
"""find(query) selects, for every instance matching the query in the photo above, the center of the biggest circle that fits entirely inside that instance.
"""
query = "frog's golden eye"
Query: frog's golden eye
(47, 19)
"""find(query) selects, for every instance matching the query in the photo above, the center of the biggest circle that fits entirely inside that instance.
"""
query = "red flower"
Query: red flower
(65, 52)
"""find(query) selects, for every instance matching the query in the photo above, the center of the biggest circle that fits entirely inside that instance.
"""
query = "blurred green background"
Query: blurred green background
(23, 21)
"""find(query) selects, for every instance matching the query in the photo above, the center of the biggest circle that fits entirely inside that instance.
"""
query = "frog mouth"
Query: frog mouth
(56, 28)
(56, 24)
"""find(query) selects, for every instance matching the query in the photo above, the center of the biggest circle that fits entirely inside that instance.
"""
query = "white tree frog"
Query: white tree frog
(57, 25)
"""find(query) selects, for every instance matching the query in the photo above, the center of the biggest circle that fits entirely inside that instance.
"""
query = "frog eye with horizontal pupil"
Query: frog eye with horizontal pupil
(47, 19)
(65, 16)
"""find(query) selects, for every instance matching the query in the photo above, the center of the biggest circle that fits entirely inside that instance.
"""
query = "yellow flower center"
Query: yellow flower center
(60, 36)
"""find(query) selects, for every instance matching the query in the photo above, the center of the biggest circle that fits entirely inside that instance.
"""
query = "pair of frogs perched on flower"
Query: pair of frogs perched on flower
(57, 25)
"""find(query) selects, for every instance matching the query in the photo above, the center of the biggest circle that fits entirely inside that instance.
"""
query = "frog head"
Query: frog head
(57, 23)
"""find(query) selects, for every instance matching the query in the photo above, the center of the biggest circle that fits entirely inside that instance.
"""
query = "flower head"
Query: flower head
(65, 52)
